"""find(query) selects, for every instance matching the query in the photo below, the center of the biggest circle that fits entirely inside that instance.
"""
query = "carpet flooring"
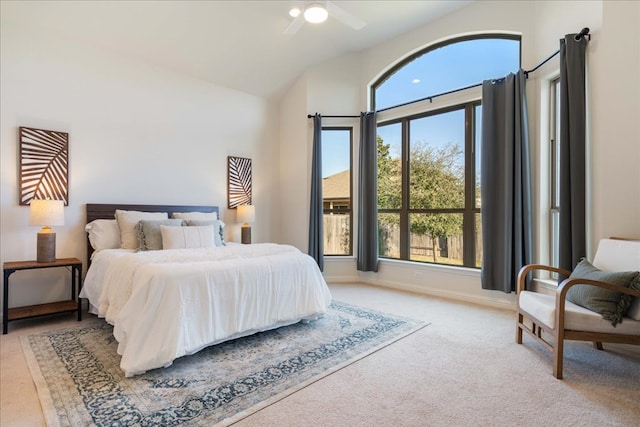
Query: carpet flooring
(77, 375)
(464, 369)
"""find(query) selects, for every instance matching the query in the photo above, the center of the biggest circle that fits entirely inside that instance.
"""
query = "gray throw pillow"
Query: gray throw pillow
(611, 305)
(218, 229)
(148, 233)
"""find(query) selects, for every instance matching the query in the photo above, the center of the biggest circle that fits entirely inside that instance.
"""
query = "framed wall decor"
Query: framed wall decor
(239, 181)
(44, 165)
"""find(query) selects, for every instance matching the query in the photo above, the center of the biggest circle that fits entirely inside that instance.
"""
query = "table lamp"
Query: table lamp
(246, 214)
(46, 213)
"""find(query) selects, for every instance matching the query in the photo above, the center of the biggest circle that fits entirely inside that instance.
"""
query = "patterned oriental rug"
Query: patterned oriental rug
(79, 381)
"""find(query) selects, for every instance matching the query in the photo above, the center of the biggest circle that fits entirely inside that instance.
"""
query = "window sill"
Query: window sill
(441, 268)
(339, 257)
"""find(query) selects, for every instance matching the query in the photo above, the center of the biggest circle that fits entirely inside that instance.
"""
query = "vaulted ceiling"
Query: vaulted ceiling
(237, 44)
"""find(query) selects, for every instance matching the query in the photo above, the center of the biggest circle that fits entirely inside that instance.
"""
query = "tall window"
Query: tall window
(430, 207)
(554, 169)
(336, 190)
(429, 158)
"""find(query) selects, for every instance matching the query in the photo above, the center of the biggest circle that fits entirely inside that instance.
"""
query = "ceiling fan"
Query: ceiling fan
(316, 12)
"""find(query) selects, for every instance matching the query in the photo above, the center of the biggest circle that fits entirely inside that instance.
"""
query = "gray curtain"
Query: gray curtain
(505, 182)
(572, 229)
(367, 256)
(316, 242)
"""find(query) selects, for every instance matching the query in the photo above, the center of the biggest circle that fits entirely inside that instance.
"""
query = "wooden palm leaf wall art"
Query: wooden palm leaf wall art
(239, 181)
(44, 165)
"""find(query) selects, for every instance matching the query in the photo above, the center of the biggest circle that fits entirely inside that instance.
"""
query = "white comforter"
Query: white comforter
(170, 303)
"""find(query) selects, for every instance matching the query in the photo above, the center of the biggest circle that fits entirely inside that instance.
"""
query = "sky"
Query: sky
(450, 67)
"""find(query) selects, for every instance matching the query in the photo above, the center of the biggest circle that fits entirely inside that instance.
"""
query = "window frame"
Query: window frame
(395, 68)
(554, 172)
(468, 211)
(468, 98)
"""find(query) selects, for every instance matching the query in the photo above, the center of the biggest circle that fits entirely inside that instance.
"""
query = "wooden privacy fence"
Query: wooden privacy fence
(336, 234)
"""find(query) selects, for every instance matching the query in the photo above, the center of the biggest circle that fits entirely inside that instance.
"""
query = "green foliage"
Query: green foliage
(436, 181)
(389, 178)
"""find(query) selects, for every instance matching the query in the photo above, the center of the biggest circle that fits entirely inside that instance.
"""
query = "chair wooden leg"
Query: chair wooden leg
(519, 329)
(597, 345)
(558, 350)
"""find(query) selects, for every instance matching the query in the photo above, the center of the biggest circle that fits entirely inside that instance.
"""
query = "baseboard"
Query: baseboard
(457, 296)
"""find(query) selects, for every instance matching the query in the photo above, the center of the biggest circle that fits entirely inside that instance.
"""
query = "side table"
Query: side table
(15, 313)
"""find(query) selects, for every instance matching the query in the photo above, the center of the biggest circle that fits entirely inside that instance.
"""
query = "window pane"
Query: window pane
(436, 166)
(452, 66)
(436, 238)
(389, 235)
(555, 146)
(336, 190)
(337, 234)
(336, 153)
(389, 166)
(478, 140)
(555, 232)
(478, 235)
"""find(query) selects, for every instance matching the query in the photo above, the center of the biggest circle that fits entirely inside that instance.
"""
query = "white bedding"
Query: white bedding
(169, 303)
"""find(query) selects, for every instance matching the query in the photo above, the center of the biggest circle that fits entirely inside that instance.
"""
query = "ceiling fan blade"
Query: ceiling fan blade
(295, 25)
(345, 17)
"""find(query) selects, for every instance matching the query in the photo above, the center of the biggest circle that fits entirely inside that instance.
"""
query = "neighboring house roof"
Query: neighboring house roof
(337, 186)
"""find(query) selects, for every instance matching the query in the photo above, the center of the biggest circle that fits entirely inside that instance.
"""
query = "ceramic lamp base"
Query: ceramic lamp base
(246, 235)
(46, 250)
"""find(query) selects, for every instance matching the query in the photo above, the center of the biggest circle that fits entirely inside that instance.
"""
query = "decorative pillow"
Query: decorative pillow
(148, 232)
(187, 237)
(634, 309)
(103, 234)
(611, 305)
(218, 229)
(127, 221)
(199, 216)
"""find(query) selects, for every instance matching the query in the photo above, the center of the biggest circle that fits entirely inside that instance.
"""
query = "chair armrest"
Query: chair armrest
(527, 268)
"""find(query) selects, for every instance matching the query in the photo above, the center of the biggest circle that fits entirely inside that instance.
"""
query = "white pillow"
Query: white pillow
(103, 234)
(127, 221)
(199, 216)
(187, 237)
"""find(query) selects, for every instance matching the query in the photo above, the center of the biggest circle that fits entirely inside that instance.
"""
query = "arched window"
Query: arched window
(447, 66)
(428, 155)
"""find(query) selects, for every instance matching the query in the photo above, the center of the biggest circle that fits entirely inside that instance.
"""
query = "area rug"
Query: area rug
(79, 381)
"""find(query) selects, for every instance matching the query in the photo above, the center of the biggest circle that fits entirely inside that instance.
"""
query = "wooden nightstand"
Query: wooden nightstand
(15, 313)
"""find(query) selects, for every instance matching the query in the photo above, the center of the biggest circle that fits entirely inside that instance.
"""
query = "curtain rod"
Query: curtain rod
(335, 117)
(583, 33)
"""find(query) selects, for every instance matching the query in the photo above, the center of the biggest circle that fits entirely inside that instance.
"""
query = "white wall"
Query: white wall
(615, 136)
(615, 131)
(137, 134)
(294, 181)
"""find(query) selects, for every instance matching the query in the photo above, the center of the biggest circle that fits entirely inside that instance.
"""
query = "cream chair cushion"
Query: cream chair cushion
(543, 307)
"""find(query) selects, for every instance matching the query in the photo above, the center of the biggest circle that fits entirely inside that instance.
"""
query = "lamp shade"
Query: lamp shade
(246, 213)
(46, 212)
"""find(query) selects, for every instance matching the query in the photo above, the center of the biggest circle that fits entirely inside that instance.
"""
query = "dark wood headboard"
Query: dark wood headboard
(108, 211)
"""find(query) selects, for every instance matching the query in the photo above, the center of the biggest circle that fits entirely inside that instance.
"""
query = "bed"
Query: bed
(172, 302)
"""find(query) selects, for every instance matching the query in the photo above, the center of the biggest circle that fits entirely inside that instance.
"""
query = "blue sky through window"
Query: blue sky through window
(449, 67)
(336, 153)
(440, 70)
